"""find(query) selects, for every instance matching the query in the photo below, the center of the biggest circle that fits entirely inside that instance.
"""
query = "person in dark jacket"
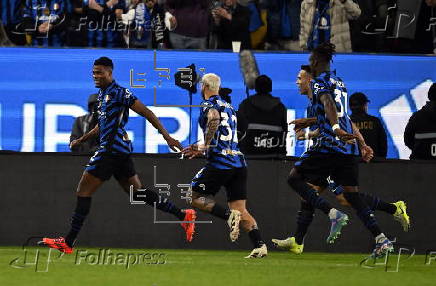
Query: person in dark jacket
(84, 124)
(266, 121)
(369, 126)
(231, 24)
(420, 132)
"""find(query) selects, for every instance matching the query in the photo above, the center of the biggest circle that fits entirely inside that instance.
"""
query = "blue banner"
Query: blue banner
(43, 90)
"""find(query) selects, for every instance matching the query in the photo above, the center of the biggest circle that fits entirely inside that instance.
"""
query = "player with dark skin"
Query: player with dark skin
(88, 184)
(338, 162)
(112, 158)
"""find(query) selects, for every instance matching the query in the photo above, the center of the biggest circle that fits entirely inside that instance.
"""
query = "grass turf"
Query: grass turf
(206, 267)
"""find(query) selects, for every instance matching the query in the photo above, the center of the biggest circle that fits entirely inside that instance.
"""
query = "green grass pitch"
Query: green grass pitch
(204, 267)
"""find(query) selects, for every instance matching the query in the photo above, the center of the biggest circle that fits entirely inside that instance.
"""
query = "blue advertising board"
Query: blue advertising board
(43, 90)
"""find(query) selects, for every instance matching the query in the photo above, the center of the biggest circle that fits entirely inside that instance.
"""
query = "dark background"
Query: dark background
(37, 199)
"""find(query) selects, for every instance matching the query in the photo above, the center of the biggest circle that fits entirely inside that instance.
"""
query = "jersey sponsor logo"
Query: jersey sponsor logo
(128, 93)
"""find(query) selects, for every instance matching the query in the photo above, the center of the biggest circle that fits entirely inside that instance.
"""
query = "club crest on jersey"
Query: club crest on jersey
(206, 105)
(107, 98)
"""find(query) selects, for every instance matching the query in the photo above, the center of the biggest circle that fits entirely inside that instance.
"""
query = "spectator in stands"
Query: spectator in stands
(283, 24)
(266, 119)
(103, 30)
(84, 124)
(327, 21)
(231, 24)
(369, 126)
(44, 22)
(420, 132)
(188, 22)
(77, 33)
(145, 22)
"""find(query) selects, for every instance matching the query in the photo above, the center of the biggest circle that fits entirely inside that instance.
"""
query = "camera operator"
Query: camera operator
(231, 24)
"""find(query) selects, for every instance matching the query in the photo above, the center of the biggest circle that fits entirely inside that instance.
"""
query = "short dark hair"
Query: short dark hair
(432, 92)
(324, 52)
(104, 61)
(263, 84)
(306, 68)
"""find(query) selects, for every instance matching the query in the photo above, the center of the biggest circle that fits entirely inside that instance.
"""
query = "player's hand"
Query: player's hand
(300, 123)
(194, 150)
(344, 136)
(75, 143)
(367, 153)
(174, 144)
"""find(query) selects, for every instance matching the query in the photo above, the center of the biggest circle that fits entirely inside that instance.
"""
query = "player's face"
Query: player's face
(303, 80)
(102, 76)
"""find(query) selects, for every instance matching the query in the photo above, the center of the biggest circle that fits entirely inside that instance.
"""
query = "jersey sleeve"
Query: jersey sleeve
(319, 87)
(126, 97)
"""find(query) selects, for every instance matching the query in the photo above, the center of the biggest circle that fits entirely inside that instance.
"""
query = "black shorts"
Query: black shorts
(103, 166)
(209, 181)
(316, 167)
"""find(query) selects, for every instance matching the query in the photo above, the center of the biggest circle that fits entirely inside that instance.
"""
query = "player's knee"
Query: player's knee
(83, 193)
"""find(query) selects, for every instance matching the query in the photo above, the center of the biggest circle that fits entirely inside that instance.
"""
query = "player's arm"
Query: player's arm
(142, 110)
(307, 135)
(332, 116)
(302, 123)
(367, 152)
(91, 134)
(213, 122)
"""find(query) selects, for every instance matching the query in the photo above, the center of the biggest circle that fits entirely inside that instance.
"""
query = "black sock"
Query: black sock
(363, 212)
(220, 212)
(255, 237)
(308, 194)
(82, 210)
(164, 205)
(375, 203)
(304, 219)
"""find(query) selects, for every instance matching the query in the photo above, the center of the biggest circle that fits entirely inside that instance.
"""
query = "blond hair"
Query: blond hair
(211, 81)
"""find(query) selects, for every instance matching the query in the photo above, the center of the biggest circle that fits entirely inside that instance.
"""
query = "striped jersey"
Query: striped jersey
(224, 152)
(328, 142)
(113, 114)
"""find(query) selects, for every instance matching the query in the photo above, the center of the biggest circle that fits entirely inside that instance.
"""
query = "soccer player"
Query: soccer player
(113, 155)
(334, 153)
(225, 166)
(305, 215)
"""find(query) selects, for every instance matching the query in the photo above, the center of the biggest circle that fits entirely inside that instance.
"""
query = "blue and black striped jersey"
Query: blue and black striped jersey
(113, 114)
(328, 142)
(224, 152)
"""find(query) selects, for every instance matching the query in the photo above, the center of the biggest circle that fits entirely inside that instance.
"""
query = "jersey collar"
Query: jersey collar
(108, 87)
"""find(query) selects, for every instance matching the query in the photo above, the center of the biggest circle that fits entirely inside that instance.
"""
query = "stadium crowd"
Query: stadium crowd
(396, 26)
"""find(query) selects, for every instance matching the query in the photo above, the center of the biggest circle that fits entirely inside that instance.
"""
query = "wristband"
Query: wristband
(336, 126)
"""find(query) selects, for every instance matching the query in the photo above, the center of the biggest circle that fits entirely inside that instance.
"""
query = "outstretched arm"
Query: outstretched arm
(213, 122)
(142, 110)
(302, 123)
